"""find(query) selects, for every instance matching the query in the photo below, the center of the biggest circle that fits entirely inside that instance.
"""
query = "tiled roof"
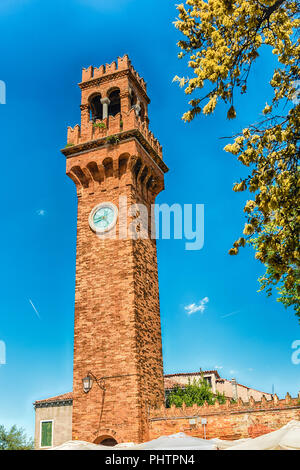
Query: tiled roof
(255, 390)
(65, 397)
(170, 383)
(243, 386)
(170, 380)
(182, 374)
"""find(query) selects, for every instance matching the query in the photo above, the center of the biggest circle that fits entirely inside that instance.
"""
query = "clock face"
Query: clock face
(103, 217)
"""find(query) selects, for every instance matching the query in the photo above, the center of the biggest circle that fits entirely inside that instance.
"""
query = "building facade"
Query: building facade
(229, 388)
(57, 411)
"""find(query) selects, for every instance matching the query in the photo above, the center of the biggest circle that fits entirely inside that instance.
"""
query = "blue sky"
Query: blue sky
(43, 47)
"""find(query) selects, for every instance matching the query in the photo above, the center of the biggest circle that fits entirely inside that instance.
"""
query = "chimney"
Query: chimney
(234, 389)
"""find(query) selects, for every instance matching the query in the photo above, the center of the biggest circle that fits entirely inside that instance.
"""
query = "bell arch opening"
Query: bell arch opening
(96, 107)
(114, 106)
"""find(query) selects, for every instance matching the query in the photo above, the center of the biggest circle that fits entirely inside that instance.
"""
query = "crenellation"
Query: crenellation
(288, 398)
(99, 71)
(73, 136)
(122, 64)
(111, 68)
(230, 406)
(112, 125)
(139, 79)
(87, 73)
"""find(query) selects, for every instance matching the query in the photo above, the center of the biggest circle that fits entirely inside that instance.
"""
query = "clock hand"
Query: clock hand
(98, 220)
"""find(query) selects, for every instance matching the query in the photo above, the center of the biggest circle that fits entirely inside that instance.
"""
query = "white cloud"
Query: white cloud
(41, 212)
(200, 307)
(218, 367)
(232, 371)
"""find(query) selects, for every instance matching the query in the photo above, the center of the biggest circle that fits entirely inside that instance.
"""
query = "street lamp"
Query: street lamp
(87, 383)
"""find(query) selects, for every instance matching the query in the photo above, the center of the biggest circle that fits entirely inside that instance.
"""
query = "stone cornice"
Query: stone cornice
(94, 144)
(47, 404)
(113, 76)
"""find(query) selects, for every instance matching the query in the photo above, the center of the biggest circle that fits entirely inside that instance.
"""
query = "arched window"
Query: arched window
(96, 108)
(115, 103)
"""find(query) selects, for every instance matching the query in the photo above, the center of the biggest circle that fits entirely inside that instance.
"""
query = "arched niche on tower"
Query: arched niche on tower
(133, 99)
(149, 182)
(94, 170)
(80, 176)
(142, 111)
(123, 163)
(108, 167)
(144, 174)
(136, 168)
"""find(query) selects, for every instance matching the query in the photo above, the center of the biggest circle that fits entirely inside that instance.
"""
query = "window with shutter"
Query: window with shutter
(46, 434)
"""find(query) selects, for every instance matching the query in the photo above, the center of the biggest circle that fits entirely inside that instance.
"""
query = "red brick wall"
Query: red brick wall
(117, 318)
(117, 314)
(229, 421)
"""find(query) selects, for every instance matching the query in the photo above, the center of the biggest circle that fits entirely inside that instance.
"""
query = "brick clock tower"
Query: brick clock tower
(114, 160)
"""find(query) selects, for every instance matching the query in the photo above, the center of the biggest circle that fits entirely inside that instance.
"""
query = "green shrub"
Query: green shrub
(198, 392)
(112, 139)
(101, 125)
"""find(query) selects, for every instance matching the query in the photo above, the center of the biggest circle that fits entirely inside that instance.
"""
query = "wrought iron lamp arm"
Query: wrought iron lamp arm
(100, 382)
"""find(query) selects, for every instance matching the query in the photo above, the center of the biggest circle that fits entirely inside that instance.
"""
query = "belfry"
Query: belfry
(118, 368)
